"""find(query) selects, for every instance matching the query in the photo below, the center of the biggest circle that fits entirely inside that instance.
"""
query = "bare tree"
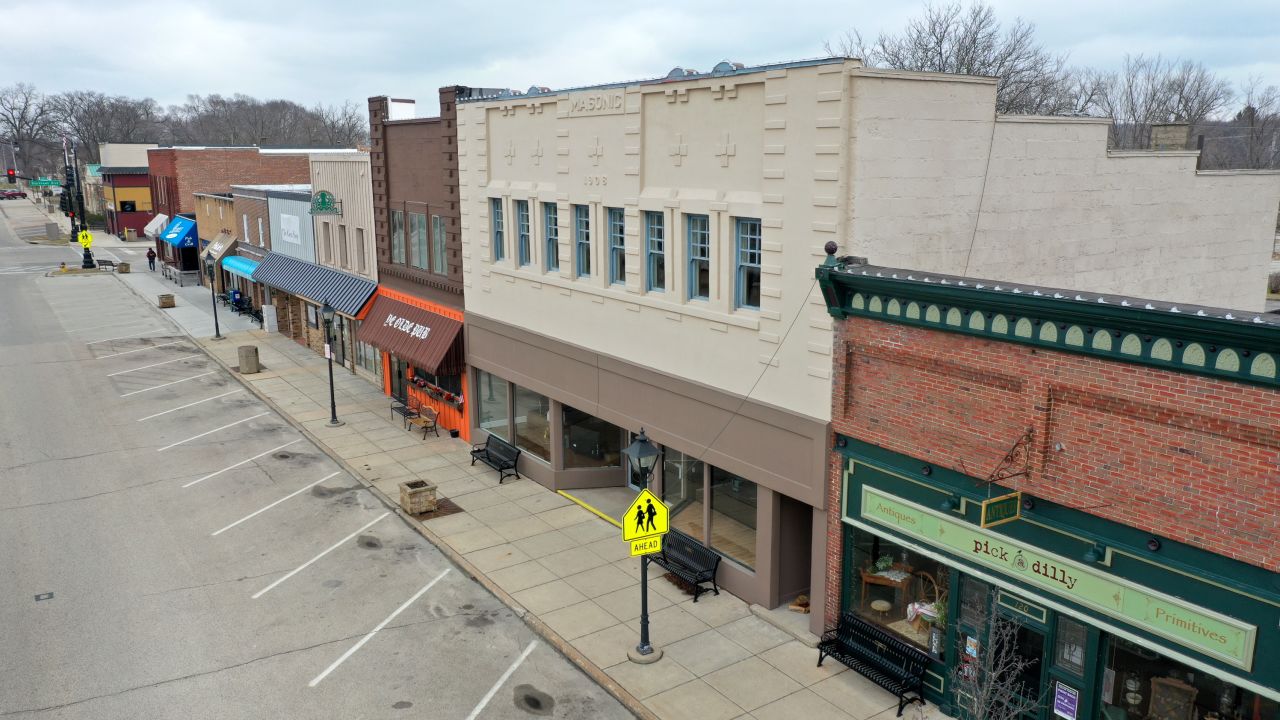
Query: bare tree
(1151, 90)
(26, 118)
(1259, 124)
(345, 125)
(92, 118)
(971, 41)
(988, 683)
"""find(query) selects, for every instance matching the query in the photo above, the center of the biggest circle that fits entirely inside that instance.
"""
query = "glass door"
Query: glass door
(398, 380)
(338, 343)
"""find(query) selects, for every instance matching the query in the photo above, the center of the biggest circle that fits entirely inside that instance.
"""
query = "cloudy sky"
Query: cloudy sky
(330, 50)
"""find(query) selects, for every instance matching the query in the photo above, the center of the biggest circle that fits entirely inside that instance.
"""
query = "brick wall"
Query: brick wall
(1191, 458)
(255, 208)
(216, 169)
(209, 222)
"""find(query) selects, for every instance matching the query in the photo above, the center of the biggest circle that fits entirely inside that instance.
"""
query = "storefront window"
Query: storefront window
(1140, 683)
(492, 406)
(1068, 650)
(367, 356)
(590, 442)
(533, 426)
(733, 517)
(683, 478)
(901, 590)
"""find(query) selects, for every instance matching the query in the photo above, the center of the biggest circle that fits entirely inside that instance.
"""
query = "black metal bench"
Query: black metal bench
(690, 561)
(886, 660)
(406, 411)
(499, 455)
(105, 263)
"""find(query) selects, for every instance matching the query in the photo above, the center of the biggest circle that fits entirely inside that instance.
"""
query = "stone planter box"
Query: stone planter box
(417, 497)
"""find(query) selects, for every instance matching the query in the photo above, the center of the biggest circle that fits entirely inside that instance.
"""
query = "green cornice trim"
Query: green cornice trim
(1182, 342)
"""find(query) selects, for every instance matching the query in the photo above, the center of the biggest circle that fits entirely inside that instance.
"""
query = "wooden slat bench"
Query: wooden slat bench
(689, 560)
(881, 657)
(499, 455)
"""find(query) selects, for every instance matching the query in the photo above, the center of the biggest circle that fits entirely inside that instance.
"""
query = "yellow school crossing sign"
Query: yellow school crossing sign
(84, 238)
(645, 522)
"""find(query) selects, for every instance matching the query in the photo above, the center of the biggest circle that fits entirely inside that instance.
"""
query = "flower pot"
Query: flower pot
(454, 433)
(417, 497)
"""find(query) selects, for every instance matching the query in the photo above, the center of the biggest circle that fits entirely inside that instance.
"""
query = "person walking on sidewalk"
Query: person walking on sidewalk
(151, 259)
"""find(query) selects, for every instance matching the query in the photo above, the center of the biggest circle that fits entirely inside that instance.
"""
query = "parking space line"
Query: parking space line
(184, 407)
(373, 632)
(175, 382)
(304, 565)
(242, 462)
(210, 432)
(149, 347)
(286, 497)
(123, 337)
(505, 677)
(144, 367)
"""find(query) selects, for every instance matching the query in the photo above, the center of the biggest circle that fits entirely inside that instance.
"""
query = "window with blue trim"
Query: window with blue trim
(698, 231)
(582, 240)
(522, 232)
(655, 252)
(551, 231)
(748, 243)
(495, 225)
(617, 225)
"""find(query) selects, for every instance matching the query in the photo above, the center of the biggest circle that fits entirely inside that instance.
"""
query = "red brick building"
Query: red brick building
(179, 172)
(1102, 471)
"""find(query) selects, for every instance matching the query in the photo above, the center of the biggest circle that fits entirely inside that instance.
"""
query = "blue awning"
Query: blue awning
(180, 233)
(241, 266)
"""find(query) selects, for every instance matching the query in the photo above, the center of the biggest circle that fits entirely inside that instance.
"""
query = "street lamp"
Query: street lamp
(213, 295)
(642, 456)
(327, 312)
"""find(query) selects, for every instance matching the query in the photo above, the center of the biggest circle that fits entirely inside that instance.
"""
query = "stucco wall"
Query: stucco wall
(1056, 208)
(347, 177)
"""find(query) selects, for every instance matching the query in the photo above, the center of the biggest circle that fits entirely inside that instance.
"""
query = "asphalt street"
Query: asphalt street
(171, 548)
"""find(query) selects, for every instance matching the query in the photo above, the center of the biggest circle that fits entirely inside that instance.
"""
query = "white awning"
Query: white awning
(156, 226)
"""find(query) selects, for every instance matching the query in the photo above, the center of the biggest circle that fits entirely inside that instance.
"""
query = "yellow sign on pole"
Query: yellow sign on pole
(646, 516)
(84, 238)
(646, 545)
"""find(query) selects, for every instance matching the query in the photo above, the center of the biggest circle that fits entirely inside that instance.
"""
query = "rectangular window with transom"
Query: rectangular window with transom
(523, 251)
(698, 230)
(439, 254)
(362, 263)
(748, 249)
(582, 240)
(655, 252)
(617, 246)
(397, 236)
(418, 233)
(342, 245)
(551, 233)
(495, 225)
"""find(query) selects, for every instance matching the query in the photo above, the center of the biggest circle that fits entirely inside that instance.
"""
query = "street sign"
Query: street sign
(647, 516)
(646, 545)
(1000, 510)
(84, 238)
(44, 182)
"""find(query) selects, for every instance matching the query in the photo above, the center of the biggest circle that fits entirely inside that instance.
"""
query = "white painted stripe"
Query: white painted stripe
(122, 337)
(332, 547)
(210, 432)
(144, 367)
(242, 462)
(505, 676)
(149, 347)
(184, 407)
(373, 632)
(259, 512)
(175, 382)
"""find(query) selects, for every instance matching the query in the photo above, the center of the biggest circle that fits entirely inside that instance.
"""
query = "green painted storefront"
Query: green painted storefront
(1121, 629)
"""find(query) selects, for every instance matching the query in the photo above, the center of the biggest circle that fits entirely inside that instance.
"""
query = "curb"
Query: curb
(597, 675)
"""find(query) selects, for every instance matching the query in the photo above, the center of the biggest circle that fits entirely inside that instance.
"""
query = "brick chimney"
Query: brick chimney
(1170, 136)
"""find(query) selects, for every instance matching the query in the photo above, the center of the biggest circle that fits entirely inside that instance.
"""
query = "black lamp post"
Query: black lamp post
(327, 312)
(213, 294)
(642, 456)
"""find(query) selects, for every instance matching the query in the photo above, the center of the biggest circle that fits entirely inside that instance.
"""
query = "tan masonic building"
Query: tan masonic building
(642, 255)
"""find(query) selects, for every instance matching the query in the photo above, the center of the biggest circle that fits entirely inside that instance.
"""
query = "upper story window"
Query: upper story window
(748, 250)
(617, 246)
(418, 236)
(361, 263)
(244, 220)
(582, 240)
(495, 225)
(326, 249)
(523, 252)
(655, 251)
(342, 245)
(262, 235)
(397, 236)
(551, 231)
(439, 256)
(698, 230)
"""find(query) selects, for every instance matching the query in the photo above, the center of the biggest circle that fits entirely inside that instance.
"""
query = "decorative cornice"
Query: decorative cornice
(1204, 341)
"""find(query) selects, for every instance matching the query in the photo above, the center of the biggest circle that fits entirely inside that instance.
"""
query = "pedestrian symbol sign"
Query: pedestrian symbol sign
(84, 238)
(647, 516)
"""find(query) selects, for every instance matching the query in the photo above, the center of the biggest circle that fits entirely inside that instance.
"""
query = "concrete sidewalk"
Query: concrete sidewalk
(563, 568)
(559, 566)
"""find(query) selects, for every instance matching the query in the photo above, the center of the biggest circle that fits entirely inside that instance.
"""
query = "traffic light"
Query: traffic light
(13, 176)
(64, 201)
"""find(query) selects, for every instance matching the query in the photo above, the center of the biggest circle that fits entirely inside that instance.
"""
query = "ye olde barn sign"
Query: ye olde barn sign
(407, 326)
